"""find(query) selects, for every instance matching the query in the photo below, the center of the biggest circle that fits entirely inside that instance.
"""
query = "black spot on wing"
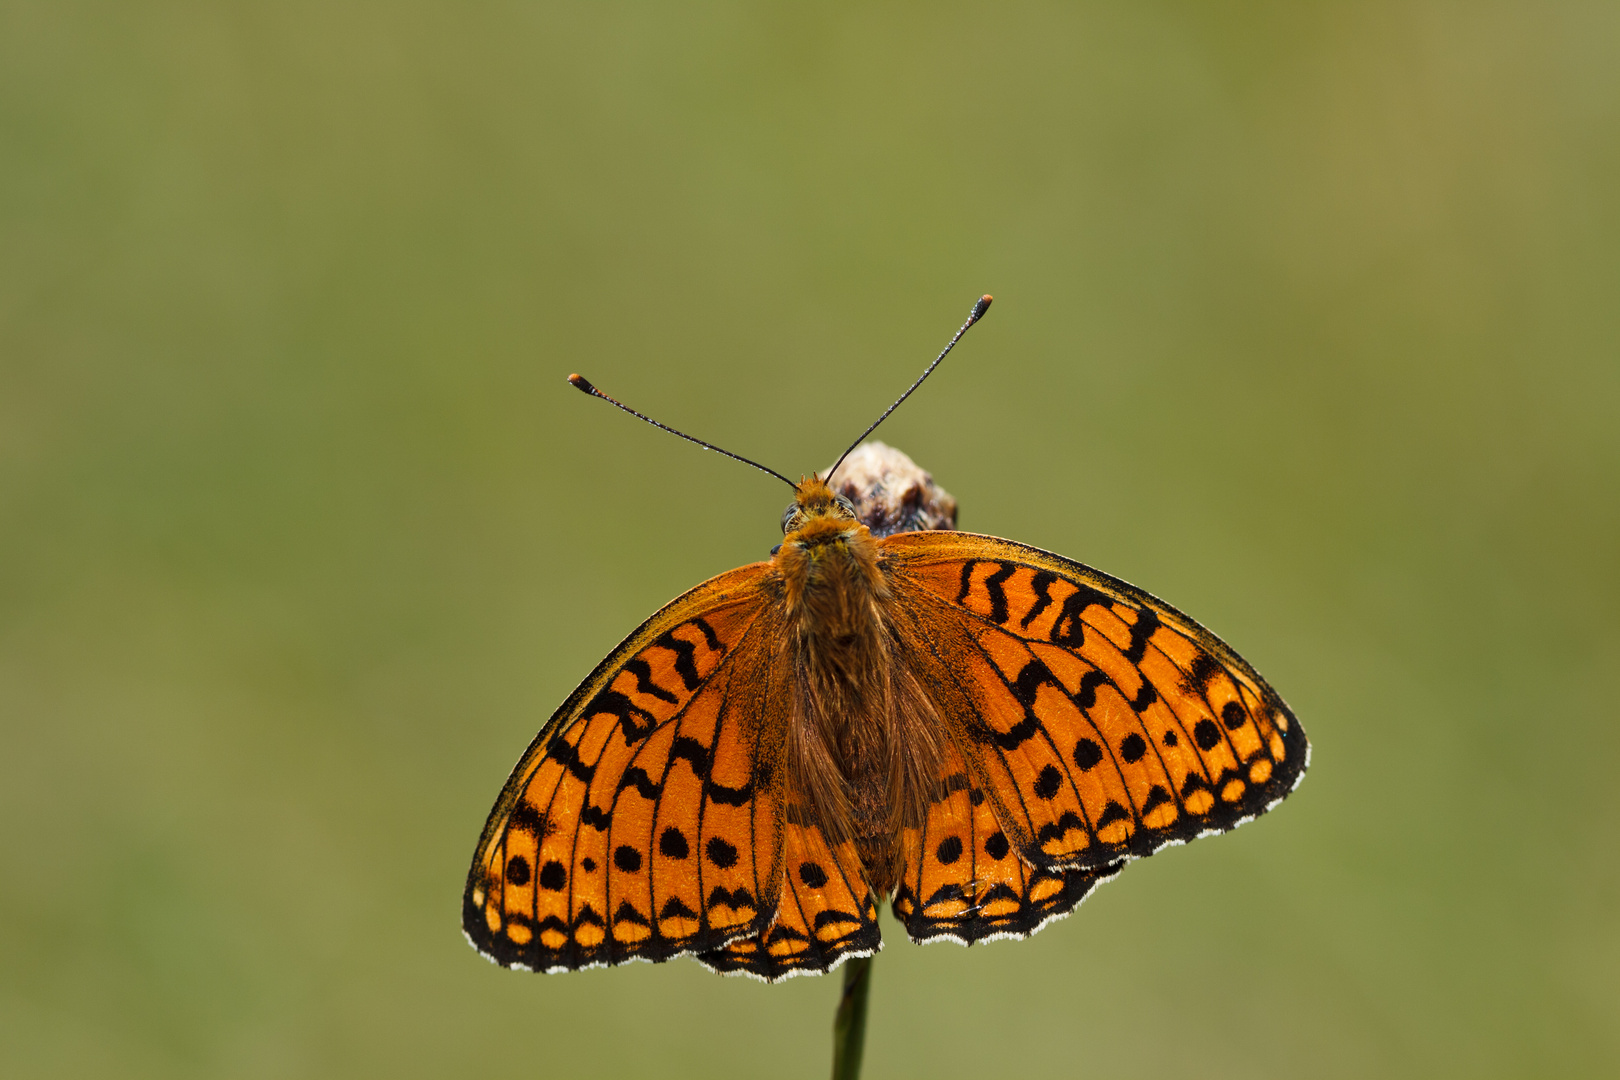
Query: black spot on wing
(595, 817)
(525, 818)
(1233, 715)
(517, 870)
(1047, 783)
(553, 876)
(721, 853)
(672, 842)
(1204, 669)
(1087, 754)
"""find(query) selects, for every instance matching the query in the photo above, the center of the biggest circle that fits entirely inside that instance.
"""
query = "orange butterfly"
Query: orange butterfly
(981, 729)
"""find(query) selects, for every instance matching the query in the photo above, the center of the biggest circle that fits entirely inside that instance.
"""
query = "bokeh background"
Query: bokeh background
(1306, 320)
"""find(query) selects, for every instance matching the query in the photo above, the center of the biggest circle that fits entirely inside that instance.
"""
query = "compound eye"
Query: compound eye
(845, 505)
(788, 516)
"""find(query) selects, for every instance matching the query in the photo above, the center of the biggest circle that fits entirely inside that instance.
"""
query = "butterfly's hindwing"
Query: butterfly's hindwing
(1103, 722)
(640, 823)
(963, 879)
(826, 913)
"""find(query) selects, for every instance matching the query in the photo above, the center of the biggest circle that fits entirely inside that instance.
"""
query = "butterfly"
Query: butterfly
(974, 729)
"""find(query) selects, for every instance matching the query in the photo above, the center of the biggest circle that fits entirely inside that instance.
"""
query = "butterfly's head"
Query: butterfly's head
(814, 500)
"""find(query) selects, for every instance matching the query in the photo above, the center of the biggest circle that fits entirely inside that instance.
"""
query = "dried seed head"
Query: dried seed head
(891, 493)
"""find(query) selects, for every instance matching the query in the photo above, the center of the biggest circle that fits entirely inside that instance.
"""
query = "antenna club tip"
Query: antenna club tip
(982, 306)
(580, 382)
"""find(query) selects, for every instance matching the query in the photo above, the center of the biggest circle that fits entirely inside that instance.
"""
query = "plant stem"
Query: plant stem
(849, 1023)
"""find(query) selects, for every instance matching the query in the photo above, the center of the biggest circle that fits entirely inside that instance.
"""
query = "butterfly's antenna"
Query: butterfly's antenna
(584, 384)
(974, 316)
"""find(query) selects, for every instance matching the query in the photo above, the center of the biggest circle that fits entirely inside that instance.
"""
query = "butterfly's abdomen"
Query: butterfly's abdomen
(853, 755)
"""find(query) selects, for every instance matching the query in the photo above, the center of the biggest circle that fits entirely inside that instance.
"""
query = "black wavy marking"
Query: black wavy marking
(1157, 797)
(737, 899)
(827, 918)
(644, 681)
(636, 722)
(627, 913)
(1069, 629)
(566, 754)
(1067, 821)
(1024, 689)
(674, 909)
(595, 817)
(728, 796)
(1042, 584)
(685, 654)
(1111, 813)
(1146, 623)
(637, 777)
(1090, 683)
(992, 585)
(973, 924)
(816, 956)
(693, 751)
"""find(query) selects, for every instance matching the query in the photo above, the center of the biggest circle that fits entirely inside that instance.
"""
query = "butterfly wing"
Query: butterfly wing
(826, 913)
(962, 878)
(1095, 722)
(646, 818)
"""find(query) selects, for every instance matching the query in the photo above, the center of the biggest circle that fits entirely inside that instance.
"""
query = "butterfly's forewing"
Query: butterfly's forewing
(1099, 722)
(646, 818)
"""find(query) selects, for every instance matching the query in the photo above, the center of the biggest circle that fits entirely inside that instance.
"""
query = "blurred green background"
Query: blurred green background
(1306, 320)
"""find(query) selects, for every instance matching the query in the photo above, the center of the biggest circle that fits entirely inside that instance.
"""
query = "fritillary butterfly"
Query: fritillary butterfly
(979, 730)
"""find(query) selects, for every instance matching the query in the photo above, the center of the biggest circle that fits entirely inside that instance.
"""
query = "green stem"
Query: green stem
(849, 1023)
